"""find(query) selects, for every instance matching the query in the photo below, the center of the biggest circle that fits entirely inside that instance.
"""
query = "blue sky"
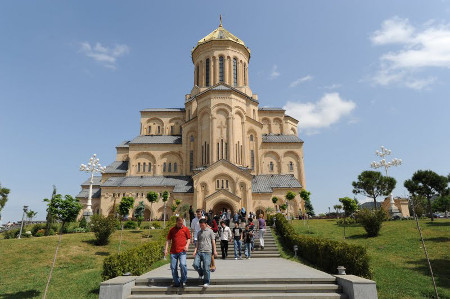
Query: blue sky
(74, 75)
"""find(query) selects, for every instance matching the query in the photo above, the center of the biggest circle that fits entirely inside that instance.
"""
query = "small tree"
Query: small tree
(151, 197)
(306, 196)
(173, 208)
(165, 197)
(3, 199)
(103, 227)
(124, 210)
(372, 220)
(338, 209)
(139, 213)
(428, 184)
(274, 200)
(350, 206)
(442, 204)
(65, 210)
(373, 184)
(30, 215)
(289, 196)
(283, 207)
(49, 219)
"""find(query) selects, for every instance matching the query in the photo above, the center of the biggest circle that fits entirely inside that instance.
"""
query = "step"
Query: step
(141, 281)
(239, 288)
(231, 256)
(246, 296)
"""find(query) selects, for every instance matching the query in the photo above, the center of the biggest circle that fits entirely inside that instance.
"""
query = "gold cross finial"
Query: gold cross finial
(220, 21)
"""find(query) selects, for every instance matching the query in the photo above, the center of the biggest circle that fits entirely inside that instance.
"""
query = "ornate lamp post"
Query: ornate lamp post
(382, 163)
(25, 210)
(92, 167)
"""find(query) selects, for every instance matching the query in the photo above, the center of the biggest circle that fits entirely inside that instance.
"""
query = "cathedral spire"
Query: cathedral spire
(220, 20)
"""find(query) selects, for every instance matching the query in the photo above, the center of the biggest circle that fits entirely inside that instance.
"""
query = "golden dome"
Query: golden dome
(220, 34)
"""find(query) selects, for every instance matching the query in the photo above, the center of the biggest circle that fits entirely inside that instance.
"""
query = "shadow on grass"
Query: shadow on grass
(441, 270)
(135, 231)
(21, 294)
(95, 291)
(102, 253)
(438, 223)
(361, 236)
(438, 239)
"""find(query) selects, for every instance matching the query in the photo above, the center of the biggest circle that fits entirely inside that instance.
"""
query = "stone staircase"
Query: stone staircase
(270, 248)
(274, 288)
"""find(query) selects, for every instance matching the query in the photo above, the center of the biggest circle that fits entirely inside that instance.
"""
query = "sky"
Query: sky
(75, 74)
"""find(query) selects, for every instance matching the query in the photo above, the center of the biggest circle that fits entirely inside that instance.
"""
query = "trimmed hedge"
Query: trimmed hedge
(137, 260)
(325, 254)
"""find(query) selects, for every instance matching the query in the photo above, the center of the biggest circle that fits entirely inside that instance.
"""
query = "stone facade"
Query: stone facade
(220, 151)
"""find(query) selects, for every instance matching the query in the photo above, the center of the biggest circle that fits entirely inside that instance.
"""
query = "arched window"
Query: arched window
(251, 137)
(164, 167)
(245, 75)
(271, 166)
(198, 75)
(149, 130)
(191, 160)
(218, 184)
(170, 167)
(175, 166)
(291, 166)
(207, 72)
(144, 166)
(252, 159)
(159, 130)
(221, 69)
(139, 167)
(192, 138)
(149, 167)
(235, 76)
(227, 183)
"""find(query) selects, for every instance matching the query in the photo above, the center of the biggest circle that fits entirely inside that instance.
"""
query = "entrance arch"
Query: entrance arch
(221, 205)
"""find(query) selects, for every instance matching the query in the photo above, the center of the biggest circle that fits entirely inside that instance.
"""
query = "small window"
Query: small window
(191, 160)
(291, 166)
(192, 138)
(251, 137)
(159, 130)
(172, 130)
(221, 69)
(222, 184)
(144, 166)
(149, 167)
(235, 76)
(227, 183)
(175, 167)
(164, 167)
(170, 167)
(207, 72)
(139, 167)
(198, 75)
(271, 166)
(218, 184)
(149, 130)
(252, 158)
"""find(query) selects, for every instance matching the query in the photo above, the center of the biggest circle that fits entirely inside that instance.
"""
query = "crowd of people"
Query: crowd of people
(206, 229)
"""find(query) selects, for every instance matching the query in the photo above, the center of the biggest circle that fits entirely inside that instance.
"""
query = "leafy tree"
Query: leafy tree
(442, 203)
(283, 207)
(65, 210)
(49, 219)
(124, 210)
(373, 184)
(306, 196)
(152, 197)
(30, 215)
(139, 213)
(3, 198)
(350, 206)
(372, 220)
(428, 184)
(174, 208)
(274, 199)
(338, 209)
(289, 196)
(103, 227)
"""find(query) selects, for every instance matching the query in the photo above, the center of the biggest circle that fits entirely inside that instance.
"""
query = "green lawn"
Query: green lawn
(25, 264)
(397, 257)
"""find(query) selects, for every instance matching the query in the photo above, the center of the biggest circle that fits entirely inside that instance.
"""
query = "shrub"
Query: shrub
(83, 223)
(40, 233)
(348, 221)
(11, 234)
(130, 225)
(371, 220)
(70, 227)
(36, 228)
(156, 225)
(103, 227)
(79, 230)
(325, 254)
(137, 260)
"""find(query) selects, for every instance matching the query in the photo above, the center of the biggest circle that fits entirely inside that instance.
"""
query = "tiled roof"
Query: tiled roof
(95, 183)
(84, 193)
(180, 183)
(281, 138)
(117, 167)
(271, 109)
(266, 182)
(164, 109)
(157, 139)
(124, 144)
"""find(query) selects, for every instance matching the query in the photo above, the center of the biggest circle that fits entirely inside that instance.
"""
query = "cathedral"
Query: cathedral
(221, 150)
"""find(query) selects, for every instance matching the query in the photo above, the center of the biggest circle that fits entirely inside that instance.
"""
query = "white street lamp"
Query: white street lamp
(383, 163)
(92, 167)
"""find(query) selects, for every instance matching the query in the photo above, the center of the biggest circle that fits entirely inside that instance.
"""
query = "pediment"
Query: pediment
(223, 193)
(224, 164)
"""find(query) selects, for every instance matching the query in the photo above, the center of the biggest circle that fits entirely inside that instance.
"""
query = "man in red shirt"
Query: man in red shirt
(180, 238)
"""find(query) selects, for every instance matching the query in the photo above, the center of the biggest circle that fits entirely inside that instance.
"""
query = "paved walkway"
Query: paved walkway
(253, 268)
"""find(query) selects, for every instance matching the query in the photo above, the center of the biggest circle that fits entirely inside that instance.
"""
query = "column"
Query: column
(212, 146)
(230, 139)
(245, 145)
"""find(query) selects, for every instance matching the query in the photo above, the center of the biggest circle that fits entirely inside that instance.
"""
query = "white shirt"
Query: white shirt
(225, 233)
(195, 226)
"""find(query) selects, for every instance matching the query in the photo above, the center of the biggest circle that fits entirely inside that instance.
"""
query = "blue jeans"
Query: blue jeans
(204, 271)
(174, 257)
(248, 249)
(237, 246)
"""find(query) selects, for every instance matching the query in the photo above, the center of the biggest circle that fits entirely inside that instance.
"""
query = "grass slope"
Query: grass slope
(25, 264)
(397, 256)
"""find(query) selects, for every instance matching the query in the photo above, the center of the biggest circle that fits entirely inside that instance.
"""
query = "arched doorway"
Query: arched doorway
(260, 211)
(221, 206)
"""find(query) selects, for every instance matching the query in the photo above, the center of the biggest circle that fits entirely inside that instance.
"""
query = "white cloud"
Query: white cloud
(321, 114)
(104, 55)
(420, 49)
(274, 74)
(301, 80)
